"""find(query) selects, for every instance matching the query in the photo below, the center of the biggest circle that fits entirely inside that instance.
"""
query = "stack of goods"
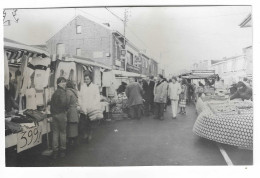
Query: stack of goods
(227, 123)
(119, 107)
(12, 127)
(30, 118)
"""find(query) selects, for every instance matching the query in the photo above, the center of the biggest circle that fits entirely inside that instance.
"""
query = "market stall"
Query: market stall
(74, 68)
(225, 121)
(27, 93)
(119, 102)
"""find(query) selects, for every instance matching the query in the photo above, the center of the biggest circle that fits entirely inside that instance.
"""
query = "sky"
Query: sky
(175, 36)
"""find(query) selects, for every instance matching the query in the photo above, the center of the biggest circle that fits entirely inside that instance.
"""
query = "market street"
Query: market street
(145, 142)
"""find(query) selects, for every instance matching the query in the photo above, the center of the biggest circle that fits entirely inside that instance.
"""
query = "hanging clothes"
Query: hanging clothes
(80, 77)
(19, 75)
(66, 70)
(41, 78)
(26, 77)
(97, 76)
(42, 72)
(39, 99)
(31, 99)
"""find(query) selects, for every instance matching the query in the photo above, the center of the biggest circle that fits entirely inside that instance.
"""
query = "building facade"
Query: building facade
(85, 38)
(231, 69)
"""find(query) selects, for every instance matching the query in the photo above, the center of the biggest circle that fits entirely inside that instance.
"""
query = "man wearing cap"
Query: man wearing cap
(58, 109)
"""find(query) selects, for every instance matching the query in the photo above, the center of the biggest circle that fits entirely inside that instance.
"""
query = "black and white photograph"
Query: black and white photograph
(127, 86)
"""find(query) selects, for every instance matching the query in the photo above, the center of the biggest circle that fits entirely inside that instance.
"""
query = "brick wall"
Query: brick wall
(95, 40)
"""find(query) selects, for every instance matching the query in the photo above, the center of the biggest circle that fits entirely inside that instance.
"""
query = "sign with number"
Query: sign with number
(29, 138)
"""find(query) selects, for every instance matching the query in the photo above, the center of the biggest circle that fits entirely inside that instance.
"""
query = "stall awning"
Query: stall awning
(10, 45)
(87, 62)
(200, 76)
(120, 73)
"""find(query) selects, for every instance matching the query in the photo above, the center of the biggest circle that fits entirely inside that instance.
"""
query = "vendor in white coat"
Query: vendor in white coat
(89, 98)
(173, 93)
(89, 101)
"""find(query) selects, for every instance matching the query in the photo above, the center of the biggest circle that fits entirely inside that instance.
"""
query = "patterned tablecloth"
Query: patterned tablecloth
(226, 122)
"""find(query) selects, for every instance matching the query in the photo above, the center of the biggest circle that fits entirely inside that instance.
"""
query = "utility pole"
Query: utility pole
(125, 21)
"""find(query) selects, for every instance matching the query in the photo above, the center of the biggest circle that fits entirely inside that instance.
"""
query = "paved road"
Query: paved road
(144, 142)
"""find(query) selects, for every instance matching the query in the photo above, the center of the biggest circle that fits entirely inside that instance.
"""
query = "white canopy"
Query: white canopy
(127, 74)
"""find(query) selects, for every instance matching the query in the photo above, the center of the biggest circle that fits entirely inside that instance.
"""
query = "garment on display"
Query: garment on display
(31, 98)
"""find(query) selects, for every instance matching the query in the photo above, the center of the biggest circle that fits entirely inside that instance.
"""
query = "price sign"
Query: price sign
(29, 138)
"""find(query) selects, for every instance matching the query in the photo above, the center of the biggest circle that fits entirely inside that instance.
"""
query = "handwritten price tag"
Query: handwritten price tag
(29, 138)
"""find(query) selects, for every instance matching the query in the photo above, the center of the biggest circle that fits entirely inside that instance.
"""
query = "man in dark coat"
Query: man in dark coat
(244, 92)
(59, 108)
(150, 93)
(134, 99)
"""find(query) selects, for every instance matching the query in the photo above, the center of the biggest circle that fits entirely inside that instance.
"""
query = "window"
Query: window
(129, 58)
(60, 49)
(78, 30)
(78, 52)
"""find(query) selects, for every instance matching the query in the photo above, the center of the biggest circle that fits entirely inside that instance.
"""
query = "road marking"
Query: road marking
(225, 155)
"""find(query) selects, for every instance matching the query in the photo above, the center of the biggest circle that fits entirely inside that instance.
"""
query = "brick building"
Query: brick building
(85, 38)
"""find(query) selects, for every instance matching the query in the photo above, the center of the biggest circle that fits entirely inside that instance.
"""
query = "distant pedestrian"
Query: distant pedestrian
(145, 96)
(173, 93)
(150, 93)
(58, 110)
(160, 97)
(183, 97)
(134, 99)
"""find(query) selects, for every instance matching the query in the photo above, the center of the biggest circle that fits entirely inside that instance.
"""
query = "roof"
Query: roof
(216, 62)
(80, 16)
(247, 22)
(12, 41)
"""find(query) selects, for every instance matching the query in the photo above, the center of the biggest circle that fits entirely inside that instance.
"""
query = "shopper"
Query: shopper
(160, 97)
(183, 97)
(145, 95)
(134, 99)
(173, 93)
(73, 114)
(150, 94)
(243, 92)
(58, 110)
(90, 108)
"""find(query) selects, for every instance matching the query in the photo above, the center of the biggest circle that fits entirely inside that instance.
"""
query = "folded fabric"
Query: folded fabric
(13, 127)
(34, 114)
(20, 120)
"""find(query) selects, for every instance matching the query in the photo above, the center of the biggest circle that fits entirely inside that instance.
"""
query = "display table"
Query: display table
(29, 137)
(225, 122)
